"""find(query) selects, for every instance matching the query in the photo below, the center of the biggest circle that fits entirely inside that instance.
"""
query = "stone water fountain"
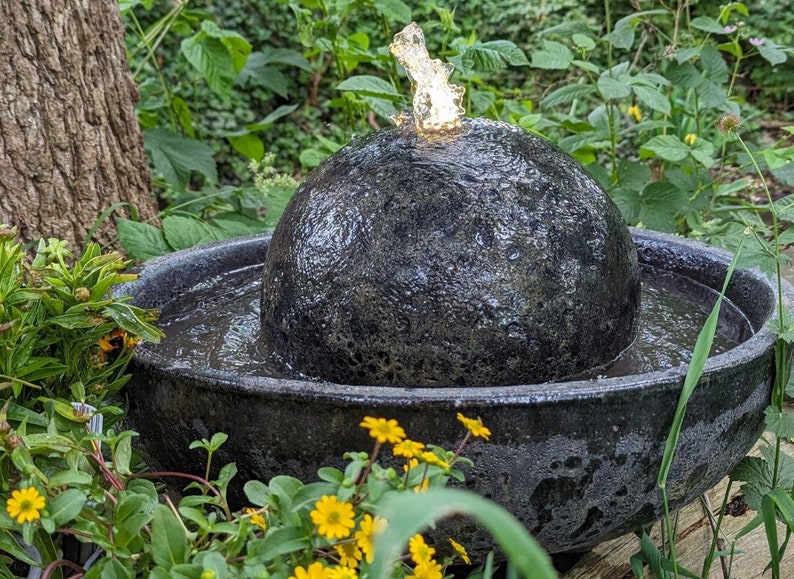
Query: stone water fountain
(444, 266)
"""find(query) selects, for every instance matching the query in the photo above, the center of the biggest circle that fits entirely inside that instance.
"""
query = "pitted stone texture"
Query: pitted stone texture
(489, 257)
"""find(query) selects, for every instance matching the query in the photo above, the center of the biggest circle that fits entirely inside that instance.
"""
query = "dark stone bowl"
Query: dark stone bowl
(575, 461)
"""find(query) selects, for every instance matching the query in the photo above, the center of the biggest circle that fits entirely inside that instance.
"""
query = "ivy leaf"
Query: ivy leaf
(667, 147)
(553, 56)
(176, 157)
(494, 55)
(169, 545)
(141, 240)
(370, 85)
(652, 98)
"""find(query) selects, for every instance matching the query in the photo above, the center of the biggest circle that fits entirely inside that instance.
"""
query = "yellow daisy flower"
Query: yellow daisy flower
(690, 139)
(256, 518)
(342, 573)
(349, 554)
(365, 536)
(420, 551)
(383, 430)
(475, 426)
(427, 570)
(460, 551)
(334, 518)
(313, 571)
(432, 459)
(412, 463)
(635, 112)
(408, 448)
(25, 505)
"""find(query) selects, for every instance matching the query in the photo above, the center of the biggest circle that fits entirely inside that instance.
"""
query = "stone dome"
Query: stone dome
(482, 257)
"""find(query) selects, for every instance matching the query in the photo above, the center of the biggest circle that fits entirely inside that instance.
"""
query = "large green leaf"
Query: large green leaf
(707, 24)
(771, 52)
(66, 506)
(393, 10)
(236, 45)
(613, 88)
(652, 98)
(493, 55)
(141, 240)
(211, 58)
(553, 56)
(176, 157)
(183, 232)
(169, 545)
(567, 94)
(667, 147)
(371, 85)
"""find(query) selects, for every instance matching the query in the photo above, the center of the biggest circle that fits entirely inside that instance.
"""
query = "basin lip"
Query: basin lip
(248, 252)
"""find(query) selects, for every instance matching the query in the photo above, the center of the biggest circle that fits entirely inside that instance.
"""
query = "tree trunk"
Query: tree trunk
(70, 144)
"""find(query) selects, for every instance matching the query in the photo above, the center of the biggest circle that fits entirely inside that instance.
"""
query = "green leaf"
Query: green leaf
(652, 98)
(493, 55)
(132, 513)
(237, 46)
(183, 232)
(612, 88)
(567, 94)
(248, 145)
(282, 541)
(70, 478)
(707, 24)
(667, 147)
(129, 319)
(771, 52)
(109, 568)
(176, 157)
(169, 545)
(212, 59)
(141, 240)
(66, 506)
(410, 513)
(371, 85)
(622, 36)
(236, 225)
(660, 202)
(553, 56)
(393, 10)
(279, 112)
(583, 41)
(256, 492)
(781, 423)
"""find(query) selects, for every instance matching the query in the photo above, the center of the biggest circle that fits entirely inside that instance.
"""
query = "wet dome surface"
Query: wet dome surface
(479, 257)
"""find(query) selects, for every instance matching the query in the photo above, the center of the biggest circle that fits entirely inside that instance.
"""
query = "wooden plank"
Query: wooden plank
(610, 560)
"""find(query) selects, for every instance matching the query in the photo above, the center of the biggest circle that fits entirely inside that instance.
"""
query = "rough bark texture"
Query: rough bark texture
(70, 144)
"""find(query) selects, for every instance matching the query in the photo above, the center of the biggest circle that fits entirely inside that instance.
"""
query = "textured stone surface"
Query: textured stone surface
(490, 257)
(575, 461)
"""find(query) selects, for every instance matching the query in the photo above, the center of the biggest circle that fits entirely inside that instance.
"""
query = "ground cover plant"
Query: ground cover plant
(662, 104)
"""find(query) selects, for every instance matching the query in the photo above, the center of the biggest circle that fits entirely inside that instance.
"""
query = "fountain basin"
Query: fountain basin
(575, 461)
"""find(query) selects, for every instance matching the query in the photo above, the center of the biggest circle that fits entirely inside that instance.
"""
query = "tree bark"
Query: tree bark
(70, 143)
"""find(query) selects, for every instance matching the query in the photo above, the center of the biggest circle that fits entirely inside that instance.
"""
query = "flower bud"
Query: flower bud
(5, 427)
(82, 294)
(13, 441)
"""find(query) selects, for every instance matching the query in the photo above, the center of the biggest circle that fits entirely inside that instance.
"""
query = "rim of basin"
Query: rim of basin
(209, 260)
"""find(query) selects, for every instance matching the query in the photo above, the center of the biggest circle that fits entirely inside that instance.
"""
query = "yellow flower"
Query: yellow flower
(690, 139)
(334, 518)
(427, 570)
(256, 518)
(383, 430)
(365, 535)
(635, 111)
(412, 463)
(420, 551)
(475, 426)
(25, 505)
(460, 551)
(313, 571)
(431, 458)
(422, 486)
(342, 573)
(349, 554)
(408, 448)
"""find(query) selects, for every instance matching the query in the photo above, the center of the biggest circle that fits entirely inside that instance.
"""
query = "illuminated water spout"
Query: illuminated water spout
(437, 103)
